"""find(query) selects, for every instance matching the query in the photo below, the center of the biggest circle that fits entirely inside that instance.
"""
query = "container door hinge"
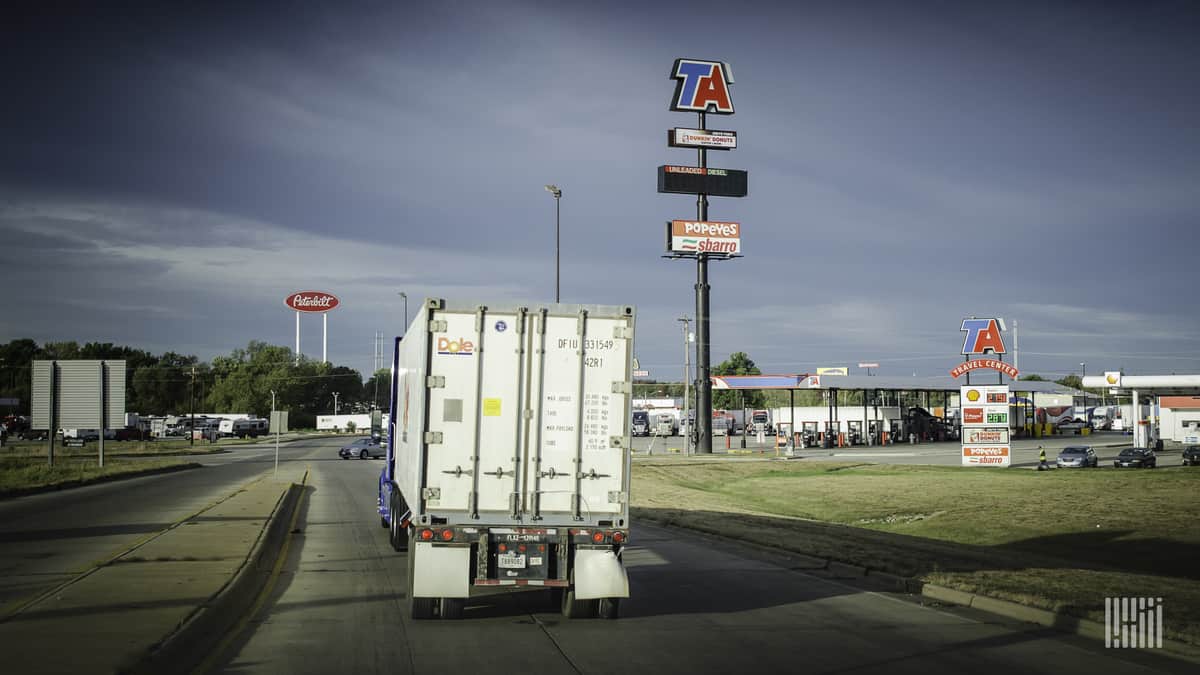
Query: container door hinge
(433, 437)
(622, 332)
(616, 441)
(622, 387)
(616, 497)
(431, 493)
(435, 381)
(438, 326)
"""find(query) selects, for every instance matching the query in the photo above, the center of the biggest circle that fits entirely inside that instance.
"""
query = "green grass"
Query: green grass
(1060, 540)
(21, 474)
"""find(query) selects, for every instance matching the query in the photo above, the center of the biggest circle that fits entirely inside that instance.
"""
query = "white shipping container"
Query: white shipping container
(511, 424)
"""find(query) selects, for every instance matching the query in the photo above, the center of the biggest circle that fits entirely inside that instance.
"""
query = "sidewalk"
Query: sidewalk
(161, 606)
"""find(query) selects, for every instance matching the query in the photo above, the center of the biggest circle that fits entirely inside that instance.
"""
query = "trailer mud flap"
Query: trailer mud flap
(599, 574)
(441, 571)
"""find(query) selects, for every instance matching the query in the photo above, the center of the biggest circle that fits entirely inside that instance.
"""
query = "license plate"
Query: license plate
(511, 561)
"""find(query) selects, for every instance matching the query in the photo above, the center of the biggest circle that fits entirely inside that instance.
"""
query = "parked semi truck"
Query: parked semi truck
(508, 454)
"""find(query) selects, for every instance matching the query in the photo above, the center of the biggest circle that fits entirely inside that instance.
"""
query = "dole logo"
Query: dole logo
(983, 336)
(703, 86)
(460, 346)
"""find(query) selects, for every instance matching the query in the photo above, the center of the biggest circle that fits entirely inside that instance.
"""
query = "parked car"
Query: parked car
(1191, 455)
(1077, 456)
(1139, 458)
(362, 449)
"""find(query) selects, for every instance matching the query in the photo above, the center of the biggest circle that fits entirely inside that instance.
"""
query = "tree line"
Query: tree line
(176, 384)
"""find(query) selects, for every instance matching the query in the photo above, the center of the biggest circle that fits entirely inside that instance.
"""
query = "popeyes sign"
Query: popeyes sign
(691, 237)
(311, 301)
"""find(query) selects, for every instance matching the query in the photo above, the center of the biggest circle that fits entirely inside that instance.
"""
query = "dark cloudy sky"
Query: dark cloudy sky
(169, 174)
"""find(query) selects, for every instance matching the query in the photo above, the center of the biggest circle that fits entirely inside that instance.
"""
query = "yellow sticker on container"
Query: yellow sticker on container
(491, 407)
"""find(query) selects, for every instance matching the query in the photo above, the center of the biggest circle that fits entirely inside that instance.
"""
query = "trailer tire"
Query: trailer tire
(418, 608)
(452, 608)
(609, 608)
(573, 608)
(396, 508)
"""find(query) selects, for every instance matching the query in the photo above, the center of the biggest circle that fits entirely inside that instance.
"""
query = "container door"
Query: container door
(475, 390)
(578, 374)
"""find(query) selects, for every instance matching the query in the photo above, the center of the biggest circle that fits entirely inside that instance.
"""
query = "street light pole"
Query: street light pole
(554, 190)
(335, 402)
(405, 296)
(1084, 367)
(687, 373)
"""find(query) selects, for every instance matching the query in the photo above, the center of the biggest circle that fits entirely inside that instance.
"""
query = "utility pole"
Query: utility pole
(335, 402)
(687, 374)
(192, 405)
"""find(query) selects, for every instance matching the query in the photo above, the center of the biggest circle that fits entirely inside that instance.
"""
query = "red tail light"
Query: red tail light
(503, 547)
(426, 534)
(447, 535)
(598, 537)
(618, 537)
(521, 548)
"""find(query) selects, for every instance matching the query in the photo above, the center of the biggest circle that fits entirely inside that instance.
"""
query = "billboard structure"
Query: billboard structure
(985, 425)
(83, 394)
(313, 302)
(702, 87)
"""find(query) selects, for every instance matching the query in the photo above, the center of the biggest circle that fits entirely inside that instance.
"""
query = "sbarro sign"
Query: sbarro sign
(692, 237)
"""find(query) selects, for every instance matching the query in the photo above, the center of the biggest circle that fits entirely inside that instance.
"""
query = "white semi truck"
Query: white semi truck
(508, 454)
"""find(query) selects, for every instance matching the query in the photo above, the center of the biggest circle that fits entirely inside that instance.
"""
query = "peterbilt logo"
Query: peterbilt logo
(311, 301)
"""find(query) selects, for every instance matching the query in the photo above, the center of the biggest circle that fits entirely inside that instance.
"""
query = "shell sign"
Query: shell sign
(311, 301)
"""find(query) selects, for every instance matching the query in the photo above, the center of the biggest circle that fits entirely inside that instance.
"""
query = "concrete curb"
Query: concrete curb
(185, 648)
(1042, 617)
(1012, 610)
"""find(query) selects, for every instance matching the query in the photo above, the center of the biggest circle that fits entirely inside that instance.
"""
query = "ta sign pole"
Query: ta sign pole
(702, 87)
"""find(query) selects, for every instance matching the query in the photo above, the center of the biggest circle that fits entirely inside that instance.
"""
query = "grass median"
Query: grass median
(1061, 540)
(22, 475)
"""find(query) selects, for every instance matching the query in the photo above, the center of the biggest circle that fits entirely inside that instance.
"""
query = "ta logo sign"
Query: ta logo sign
(703, 86)
(983, 336)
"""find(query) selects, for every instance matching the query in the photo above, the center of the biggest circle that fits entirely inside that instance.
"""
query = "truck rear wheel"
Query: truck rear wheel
(418, 608)
(609, 608)
(452, 608)
(396, 508)
(573, 608)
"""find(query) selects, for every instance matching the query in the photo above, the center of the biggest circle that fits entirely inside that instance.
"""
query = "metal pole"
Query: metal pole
(325, 337)
(335, 402)
(297, 338)
(192, 399)
(703, 383)
(275, 423)
(405, 296)
(53, 409)
(557, 241)
(687, 394)
(103, 406)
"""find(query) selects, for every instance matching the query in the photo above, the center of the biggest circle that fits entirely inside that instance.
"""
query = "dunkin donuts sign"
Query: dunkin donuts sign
(311, 301)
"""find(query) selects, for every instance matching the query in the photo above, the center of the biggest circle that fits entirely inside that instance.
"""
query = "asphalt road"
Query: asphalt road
(47, 539)
(697, 606)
